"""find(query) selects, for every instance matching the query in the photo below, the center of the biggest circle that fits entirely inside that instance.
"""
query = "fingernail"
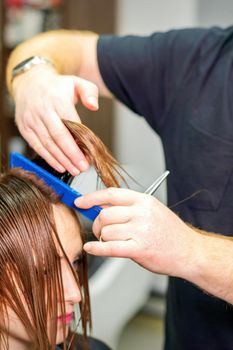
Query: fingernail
(92, 100)
(60, 168)
(74, 171)
(87, 247)
(77, 201)
(83, 166)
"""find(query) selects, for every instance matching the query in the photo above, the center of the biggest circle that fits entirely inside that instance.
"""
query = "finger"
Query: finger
(120, 249)
(67, 110)
(65, 143)
(109, 196)
(110, 215)
(88, 93)
(35, 143)
(119, 232)
(49, 144)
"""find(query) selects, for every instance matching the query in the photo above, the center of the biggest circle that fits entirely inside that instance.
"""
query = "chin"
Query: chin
(60, 338)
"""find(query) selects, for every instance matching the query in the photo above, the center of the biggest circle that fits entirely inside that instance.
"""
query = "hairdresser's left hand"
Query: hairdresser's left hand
(43, 98)
(137, 226)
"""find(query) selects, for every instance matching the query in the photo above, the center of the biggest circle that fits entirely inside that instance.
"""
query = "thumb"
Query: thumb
(87, 92)
(118, 249)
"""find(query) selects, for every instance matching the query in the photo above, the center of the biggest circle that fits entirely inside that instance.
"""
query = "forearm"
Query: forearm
(211, 265)
(71, 53)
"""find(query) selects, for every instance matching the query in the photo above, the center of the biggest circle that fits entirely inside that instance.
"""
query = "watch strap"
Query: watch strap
(29, 63)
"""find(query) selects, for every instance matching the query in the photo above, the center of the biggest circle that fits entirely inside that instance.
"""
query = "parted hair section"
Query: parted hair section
(106, 166)
(29, 244)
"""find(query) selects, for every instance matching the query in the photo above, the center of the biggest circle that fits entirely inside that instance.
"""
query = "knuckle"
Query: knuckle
(104, 232)
(150, 200)
(37, 148)
(102, 217)
(55, 97)
(111, 192)
(26, 128)
(59, 134)
(93, 87)
(47, 141)
(112, 250)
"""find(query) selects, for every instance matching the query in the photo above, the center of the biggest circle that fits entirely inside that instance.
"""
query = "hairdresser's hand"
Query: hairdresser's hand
(138, 226)
(42, 99)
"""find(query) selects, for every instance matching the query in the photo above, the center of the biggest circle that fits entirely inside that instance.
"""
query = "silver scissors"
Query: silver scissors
(155, 185)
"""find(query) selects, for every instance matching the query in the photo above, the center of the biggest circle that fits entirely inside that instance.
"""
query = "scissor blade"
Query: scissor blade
(155, 185)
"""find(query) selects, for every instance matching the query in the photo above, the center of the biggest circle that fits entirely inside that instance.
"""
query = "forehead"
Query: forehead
(68, 230)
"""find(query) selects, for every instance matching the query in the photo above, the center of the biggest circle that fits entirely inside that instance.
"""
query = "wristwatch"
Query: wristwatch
(28, 64)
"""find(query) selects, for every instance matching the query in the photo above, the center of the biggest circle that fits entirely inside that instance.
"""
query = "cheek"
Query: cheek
(15, 328)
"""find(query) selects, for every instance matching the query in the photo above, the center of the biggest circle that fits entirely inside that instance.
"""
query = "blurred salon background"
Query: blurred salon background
(127, 301)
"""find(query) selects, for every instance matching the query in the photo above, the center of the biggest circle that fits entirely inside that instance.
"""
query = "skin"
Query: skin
(43, 97)
(68, 231)
(161, 243)
(137, 226)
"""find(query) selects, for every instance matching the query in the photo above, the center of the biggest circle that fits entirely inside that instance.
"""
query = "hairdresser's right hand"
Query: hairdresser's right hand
(42, 99)
(137, 226)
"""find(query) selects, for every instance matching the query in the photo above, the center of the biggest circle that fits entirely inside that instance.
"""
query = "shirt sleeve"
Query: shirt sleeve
(145, 73)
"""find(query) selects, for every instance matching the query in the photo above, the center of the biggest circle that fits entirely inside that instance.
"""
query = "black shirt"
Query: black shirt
(181, 82)
(94, 344)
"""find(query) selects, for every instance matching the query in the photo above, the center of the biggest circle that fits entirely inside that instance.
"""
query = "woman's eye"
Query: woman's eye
(77, 263)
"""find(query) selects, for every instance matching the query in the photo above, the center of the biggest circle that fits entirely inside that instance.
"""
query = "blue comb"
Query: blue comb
(55, 180)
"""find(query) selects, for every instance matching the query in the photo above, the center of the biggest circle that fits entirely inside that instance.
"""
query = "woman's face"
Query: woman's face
(69, 234)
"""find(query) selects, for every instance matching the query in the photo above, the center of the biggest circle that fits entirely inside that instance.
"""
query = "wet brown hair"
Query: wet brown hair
(97, 153)
(28, 246)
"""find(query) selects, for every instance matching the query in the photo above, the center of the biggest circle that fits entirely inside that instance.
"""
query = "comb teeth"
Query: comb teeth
(65, 177)
(57, 181)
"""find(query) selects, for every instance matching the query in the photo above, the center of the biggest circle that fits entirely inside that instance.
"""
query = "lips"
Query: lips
(67, 318)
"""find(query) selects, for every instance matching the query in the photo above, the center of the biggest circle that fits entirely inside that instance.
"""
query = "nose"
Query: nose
(72, 291)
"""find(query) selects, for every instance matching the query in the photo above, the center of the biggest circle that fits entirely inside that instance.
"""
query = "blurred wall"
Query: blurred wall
(215, 12)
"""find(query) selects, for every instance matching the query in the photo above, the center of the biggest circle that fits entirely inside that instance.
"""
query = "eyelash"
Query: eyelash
(76, 263)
